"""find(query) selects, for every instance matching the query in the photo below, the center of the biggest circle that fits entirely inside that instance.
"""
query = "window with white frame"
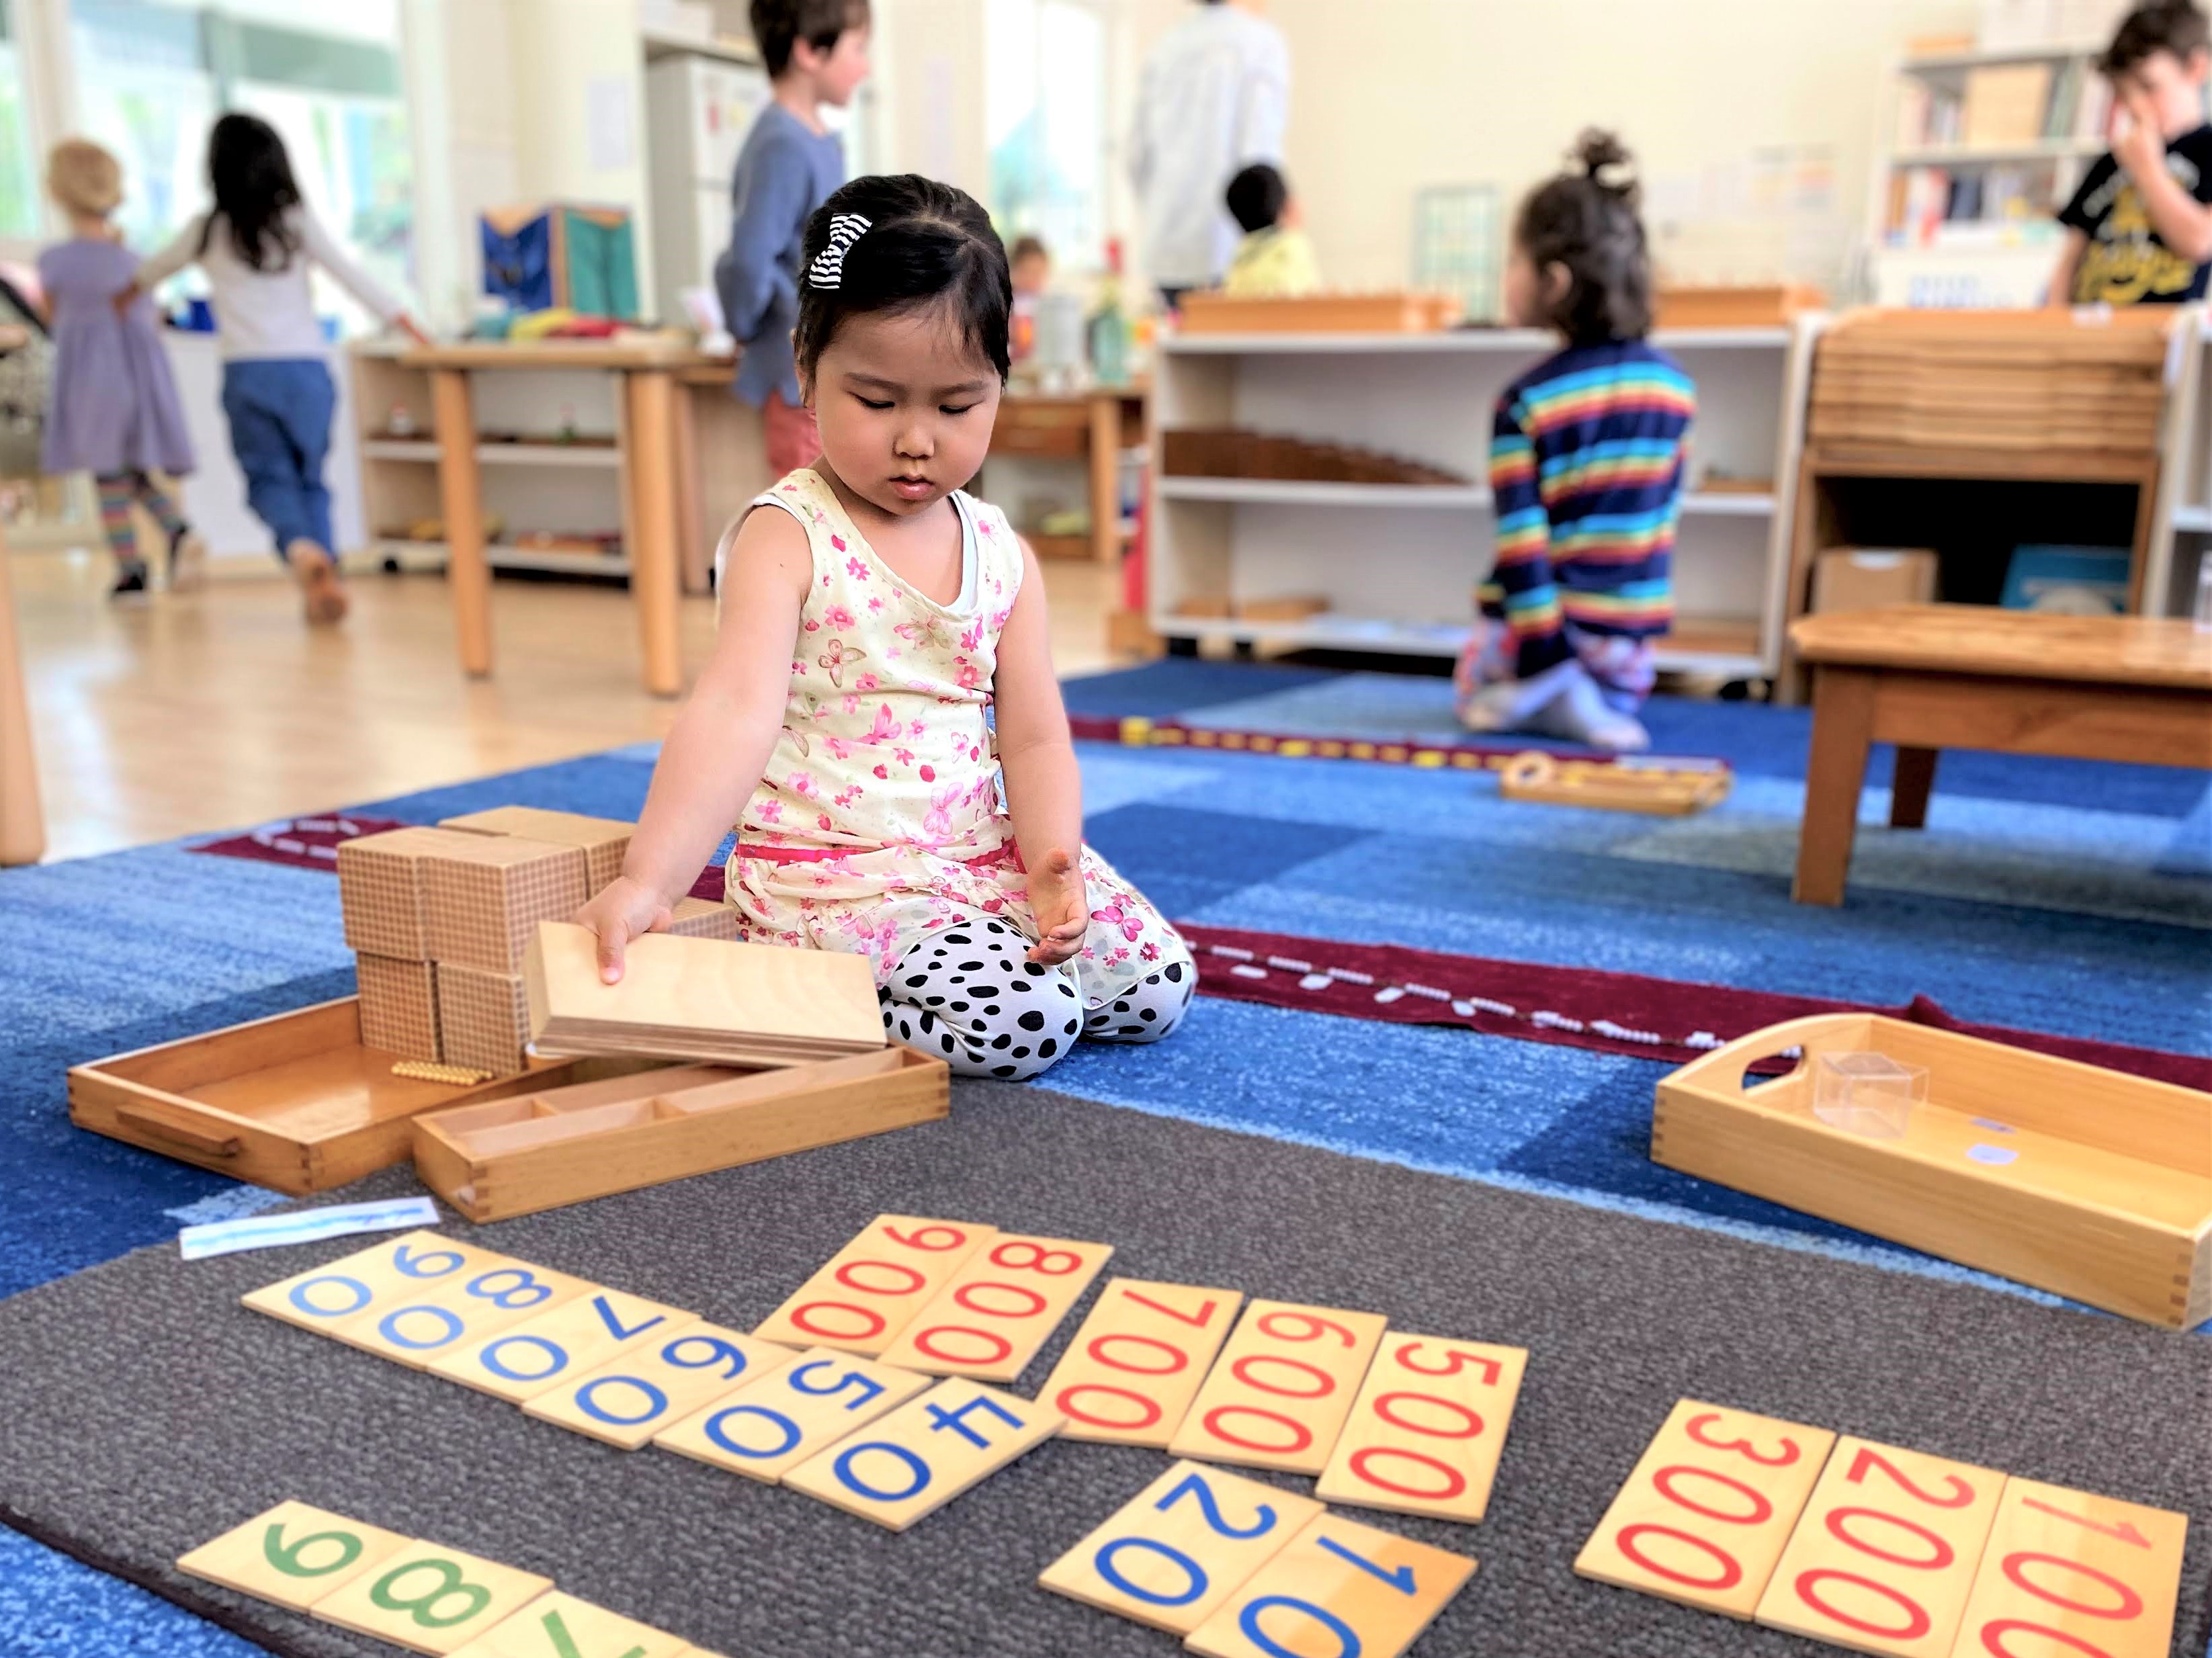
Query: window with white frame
(152, 75)
(19, 164)
(1045, 120)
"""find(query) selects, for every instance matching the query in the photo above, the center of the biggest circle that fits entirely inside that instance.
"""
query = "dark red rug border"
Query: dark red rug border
(1134, 731)
(1671, 1021)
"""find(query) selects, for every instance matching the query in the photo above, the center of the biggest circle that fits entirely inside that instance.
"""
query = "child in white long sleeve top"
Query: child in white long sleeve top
(255, 245)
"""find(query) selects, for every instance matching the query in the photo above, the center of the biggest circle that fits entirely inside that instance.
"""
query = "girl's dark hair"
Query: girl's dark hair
(926, 245)
(251, 178)
(1586, 222)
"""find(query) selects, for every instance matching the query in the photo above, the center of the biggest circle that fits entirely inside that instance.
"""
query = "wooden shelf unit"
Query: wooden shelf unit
(1400, 562)
(2166, 526)
(533, 485)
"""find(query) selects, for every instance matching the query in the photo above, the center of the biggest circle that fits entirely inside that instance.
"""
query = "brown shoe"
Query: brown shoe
(317, 573)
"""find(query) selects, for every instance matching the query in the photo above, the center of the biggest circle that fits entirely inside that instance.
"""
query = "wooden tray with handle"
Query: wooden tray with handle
(2077, 1179)
(293, 1102)
(521, 1154)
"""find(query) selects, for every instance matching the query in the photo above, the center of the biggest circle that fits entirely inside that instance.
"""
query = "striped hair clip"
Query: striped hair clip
(829, 267)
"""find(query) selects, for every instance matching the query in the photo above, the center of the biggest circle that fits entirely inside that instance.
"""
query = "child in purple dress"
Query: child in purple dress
(113, 412)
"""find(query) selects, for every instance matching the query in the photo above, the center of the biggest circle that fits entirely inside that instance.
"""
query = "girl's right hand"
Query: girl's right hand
(625, 908)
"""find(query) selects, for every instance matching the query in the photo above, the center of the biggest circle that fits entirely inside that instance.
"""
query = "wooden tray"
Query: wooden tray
(517, 1155)
(2106, 1196)
(292, 1101)
(1394, 313)
(1769, 306)
(1617, 785)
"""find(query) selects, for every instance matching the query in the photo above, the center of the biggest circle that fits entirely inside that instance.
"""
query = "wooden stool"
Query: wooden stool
(1933, 677)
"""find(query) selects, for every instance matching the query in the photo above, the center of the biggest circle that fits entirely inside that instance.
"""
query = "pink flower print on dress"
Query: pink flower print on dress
(836, 656)
(802, 784)
(838, 747)
(885, 728)
(937, 822)
(973, 637)
(852, 703)
(838, 542)
(1128, 926)
(965, 674)
(875, 604)
(1150, 951)
(846, 797)
(866, 682)
(769, 812)
(883, 772)
(854, 568)
(821, 821)
(930, 633)
(904, 756)
(837, 616)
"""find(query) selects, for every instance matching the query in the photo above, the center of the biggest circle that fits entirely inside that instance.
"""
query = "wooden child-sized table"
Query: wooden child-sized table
(1933, 677)
(650, 436)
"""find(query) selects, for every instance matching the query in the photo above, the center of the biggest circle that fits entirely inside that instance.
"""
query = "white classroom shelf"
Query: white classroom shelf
(1475, 497)
(548, 454)
(1398, 563)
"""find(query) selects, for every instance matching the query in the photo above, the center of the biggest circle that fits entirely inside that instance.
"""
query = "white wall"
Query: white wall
(521, 100)
(1394, 94)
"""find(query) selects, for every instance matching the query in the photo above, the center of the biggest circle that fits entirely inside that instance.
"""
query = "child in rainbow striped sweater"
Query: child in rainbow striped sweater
(1586, 472)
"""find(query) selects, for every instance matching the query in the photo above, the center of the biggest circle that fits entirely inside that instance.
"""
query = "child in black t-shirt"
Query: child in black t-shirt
(2139, 229)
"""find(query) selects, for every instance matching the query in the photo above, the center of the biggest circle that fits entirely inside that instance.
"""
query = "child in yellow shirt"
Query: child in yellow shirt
(1275, 260)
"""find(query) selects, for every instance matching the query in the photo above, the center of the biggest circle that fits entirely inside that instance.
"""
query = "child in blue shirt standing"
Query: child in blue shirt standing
(1586, 473)
(816, 53)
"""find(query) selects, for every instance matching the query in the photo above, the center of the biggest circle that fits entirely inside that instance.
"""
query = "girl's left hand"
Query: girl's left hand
(1062, 907)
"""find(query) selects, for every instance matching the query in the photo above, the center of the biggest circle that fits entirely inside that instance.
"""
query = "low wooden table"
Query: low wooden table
(650, 437)
(1933, 677)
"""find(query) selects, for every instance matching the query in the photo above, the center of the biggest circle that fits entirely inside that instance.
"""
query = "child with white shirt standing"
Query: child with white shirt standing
(255, 246)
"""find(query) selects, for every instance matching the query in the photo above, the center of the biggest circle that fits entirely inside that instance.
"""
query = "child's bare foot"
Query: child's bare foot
(187, 561)
(317, 573)
(1580, 714)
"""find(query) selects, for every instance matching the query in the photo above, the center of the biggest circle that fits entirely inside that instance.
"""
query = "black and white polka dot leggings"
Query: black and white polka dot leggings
(971, 996)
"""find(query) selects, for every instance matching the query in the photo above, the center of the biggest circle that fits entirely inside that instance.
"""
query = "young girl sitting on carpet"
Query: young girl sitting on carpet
(872, 615)
(1586, 474)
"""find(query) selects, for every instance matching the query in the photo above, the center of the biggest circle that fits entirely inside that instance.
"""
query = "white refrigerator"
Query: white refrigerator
(698, 111)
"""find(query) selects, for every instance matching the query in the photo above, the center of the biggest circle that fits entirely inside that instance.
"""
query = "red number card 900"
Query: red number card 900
(867, 1293)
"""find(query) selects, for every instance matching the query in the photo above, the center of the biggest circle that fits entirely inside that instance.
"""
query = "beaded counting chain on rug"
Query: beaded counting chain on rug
(1320, 978)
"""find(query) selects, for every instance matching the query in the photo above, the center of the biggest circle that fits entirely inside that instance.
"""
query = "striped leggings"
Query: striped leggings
(118, 491)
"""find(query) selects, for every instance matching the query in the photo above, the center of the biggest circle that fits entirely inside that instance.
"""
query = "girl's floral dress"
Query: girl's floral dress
(880, 820)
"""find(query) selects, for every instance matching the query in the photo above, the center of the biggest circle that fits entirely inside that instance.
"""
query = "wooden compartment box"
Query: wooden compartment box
(2076, 1180)
(293, 1102)
(518, 1155)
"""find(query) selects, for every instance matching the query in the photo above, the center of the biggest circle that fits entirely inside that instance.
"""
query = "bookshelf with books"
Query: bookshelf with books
(1981, 141)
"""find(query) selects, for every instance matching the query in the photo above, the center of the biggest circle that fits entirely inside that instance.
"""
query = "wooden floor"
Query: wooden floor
(220, 709)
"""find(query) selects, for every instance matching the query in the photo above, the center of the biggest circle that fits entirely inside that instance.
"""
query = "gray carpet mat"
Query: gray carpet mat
(142, 1411)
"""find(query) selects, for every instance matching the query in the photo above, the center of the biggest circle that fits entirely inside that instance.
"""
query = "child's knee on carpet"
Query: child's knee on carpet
(1150, 1009)
(971, 997)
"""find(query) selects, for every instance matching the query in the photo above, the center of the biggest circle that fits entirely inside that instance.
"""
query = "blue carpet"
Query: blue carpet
(2056, 895)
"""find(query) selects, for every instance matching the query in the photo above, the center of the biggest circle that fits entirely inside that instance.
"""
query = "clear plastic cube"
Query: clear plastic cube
(1868, 1093)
